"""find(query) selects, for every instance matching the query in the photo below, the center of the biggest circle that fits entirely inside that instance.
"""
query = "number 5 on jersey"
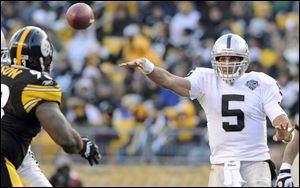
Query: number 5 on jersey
(236, 112)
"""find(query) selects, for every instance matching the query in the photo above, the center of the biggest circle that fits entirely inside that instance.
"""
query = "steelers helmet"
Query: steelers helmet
(230, 45)
(4, 50)
(30, 47)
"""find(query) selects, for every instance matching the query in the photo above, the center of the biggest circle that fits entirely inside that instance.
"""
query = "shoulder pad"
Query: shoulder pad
(40, 87)
(263, 78)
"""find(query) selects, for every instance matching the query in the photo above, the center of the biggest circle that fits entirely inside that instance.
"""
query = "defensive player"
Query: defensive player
(29, 171)
(30, 100)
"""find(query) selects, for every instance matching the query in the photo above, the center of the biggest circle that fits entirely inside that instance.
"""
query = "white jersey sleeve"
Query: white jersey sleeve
(198, 80)
(30, 172)
(271, 97)
(271, 91)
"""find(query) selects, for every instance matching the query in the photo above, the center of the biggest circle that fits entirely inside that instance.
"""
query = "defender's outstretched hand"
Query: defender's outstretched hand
(142, 64)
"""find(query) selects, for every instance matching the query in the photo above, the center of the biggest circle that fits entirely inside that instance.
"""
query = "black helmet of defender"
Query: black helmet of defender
(30, 47)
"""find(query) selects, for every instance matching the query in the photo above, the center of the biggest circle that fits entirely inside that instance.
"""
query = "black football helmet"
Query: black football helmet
(30, 47)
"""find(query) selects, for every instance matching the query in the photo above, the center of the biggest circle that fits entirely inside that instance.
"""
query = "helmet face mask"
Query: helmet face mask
(4, 55)
(236, 49)
(4, 51)
(30, 47)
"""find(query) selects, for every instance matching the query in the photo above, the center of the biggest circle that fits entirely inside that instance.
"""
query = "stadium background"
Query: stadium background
(148, 136)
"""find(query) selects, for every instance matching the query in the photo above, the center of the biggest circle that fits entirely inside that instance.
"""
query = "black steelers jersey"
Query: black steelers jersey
(22, 90)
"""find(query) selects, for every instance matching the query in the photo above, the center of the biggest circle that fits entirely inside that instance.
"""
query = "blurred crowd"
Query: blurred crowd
(172, 34)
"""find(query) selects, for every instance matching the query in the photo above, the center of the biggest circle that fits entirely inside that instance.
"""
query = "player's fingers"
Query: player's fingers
(288, 138)
(279, 127)
(91, 162)
(129, 64)
(286, 126)
(97, 156)
(96, 161)
(275, 138)
(138, 63)
(282, 127)
(123, 64)
(139, 68)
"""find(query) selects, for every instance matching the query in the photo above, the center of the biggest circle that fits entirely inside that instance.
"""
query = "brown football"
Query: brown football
(80, 16)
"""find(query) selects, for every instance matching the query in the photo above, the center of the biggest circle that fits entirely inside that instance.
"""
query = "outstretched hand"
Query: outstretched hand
(90, 151)
(142, 64)
(131, 64)
(282, 133)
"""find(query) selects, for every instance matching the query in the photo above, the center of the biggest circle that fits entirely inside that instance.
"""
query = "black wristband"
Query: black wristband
(285, 171)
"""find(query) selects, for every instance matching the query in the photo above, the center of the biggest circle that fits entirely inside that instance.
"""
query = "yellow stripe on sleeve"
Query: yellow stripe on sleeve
(43, 87)
(35, 93)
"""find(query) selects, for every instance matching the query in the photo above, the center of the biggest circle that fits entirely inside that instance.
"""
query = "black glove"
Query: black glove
(90, 151)
(284, 179)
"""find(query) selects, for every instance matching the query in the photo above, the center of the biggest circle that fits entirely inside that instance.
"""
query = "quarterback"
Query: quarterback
(236, 105)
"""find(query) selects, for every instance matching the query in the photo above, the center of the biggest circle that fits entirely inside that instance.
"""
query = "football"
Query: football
(80, 16)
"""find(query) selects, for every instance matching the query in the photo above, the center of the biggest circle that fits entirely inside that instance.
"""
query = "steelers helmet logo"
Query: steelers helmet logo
(46, 48)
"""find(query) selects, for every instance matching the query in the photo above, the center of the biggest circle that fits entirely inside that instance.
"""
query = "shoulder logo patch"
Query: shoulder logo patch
(48, 83)
(191, 71)
(252, 84)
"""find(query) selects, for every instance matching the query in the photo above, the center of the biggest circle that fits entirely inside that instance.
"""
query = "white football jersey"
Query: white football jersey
(236, 118)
